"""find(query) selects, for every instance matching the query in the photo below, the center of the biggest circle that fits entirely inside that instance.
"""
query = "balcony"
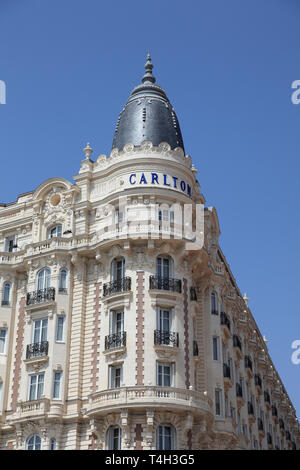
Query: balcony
(193, 294)
(224, 320)
(37, 350)
(116, 287)
(165, 283)
(41, 296)
(166, 338)
(116, 340)
(195, 348)
(150, 397)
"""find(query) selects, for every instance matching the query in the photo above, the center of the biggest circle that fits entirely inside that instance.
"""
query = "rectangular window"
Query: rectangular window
(116, 322)
(60, 327)
(57, 384)
(218, 402)
(3, 341)
(36, 387)
(40, 329)
(10, 244)
(116, 376)
(1, 386)
(165, 375)
(215, 349)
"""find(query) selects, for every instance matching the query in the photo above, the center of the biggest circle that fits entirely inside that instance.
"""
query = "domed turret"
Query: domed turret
(148, 115)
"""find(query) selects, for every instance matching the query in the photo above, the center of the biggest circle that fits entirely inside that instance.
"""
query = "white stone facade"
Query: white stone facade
(129, 391)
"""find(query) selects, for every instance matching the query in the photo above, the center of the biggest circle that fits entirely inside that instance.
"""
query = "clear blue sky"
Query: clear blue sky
(227, 67)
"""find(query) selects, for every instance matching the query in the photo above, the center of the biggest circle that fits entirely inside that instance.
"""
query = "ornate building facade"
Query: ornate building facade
(118, 332)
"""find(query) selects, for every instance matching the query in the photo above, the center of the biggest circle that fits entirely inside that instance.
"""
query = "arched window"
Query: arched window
(166, 437)
(52, 444)
(34, 442)
(43, 279)
(164, 267)
(6, 294)
(118, 269)
(214, 303)
(113, 438)
(55, 231)
(63, 281)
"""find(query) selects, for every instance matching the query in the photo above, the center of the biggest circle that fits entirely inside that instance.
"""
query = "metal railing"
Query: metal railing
(168, 338)
(40, 296)
(165, 283)
(115, 340)
(37, 349)
(119, 285)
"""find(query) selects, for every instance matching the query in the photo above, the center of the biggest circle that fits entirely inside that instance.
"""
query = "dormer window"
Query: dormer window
(55, 231)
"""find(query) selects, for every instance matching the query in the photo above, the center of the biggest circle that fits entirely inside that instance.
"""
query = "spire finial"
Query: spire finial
(148, 77)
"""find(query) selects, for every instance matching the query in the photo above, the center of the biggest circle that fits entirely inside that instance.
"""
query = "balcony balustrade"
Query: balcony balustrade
(167, 338)
(37, 349)
(165, 283)
(117, 286)
(40, 296)
(115, 340)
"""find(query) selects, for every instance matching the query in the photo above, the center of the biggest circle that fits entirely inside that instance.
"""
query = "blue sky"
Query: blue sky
(227, 67)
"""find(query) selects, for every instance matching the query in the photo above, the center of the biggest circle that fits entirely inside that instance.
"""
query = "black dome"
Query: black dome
(148, 115)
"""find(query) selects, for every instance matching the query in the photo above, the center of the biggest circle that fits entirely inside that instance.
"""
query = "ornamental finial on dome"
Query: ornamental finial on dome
(148, 77)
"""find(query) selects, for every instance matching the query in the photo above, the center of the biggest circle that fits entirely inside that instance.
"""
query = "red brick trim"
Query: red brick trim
(138, 437)
(140, 328)
(18, 354)
(96, 334)
(186, 334)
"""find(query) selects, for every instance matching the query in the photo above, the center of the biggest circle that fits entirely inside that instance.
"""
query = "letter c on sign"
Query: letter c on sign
(130, 178)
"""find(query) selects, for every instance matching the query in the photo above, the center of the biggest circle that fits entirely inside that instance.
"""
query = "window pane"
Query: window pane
(2, 341)
(60, 328)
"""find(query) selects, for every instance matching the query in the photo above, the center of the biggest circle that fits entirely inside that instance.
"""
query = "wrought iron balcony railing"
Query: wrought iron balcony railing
(257, 380)
(237, 342)
(37, 349)
(119, 285)
(116, 340)
(195, 348)
(226, 371)
(40, 296)
(267, 397)
(239, 390)
(250, 408)
(165, 283)
(248, 362)
(193, 294)
(224, 319)
(168, 338)
(260, 424)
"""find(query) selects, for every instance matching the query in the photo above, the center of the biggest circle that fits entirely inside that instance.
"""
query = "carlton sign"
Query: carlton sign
(159, 179)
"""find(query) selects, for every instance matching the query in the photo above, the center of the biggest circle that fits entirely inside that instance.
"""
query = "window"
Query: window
(116, 376)
(214, 303)
(165, 438)
(55, 231)
(40, 329)
(52, 444)
(164, 319)
(165, 375)
(3, 341)
(1, 386)
(34, 442)
(216, 348)
(116, 322)
(10, 244)
(218, 402)
(36, 388)
(63, 281)
(118, 269)
(113, 438)
(43, 279)
(57, 384)
(60, 328)
(6, 294)
(164, 267)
